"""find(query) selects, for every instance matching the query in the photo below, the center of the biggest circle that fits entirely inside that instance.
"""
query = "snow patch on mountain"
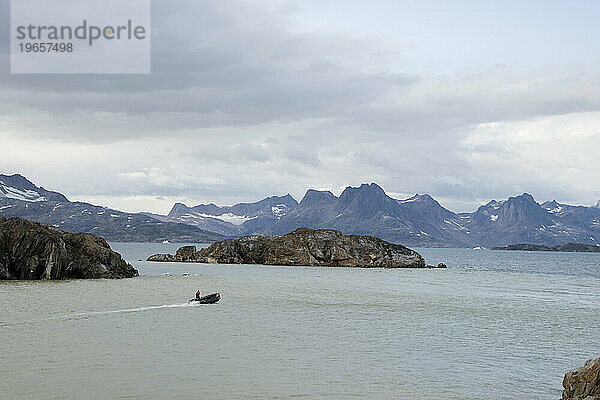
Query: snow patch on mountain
(416, 197)
(229, 217)
(279, 210)
(10, 192)
(456, 224)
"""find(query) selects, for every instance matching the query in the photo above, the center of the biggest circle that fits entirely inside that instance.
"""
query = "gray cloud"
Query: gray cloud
(212, 66)
(243, 102)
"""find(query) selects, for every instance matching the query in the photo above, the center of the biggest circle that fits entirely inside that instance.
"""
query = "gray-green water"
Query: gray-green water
(496, 325)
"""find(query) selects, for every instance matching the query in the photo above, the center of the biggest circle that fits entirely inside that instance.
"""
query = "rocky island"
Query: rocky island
(569, 248)
(583, 383)
(29, 250)
(303, 247)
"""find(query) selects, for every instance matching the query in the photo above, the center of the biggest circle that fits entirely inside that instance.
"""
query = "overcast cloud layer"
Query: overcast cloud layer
(249, 99)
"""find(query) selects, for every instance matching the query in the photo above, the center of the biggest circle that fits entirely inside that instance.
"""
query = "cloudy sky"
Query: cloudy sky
(464, 100)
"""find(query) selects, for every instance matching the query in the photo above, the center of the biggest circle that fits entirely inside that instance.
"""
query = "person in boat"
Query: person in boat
(198, 295)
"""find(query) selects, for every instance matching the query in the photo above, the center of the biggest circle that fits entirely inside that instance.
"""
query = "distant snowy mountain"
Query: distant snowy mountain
(417, 221)
(233, 220)
(597, 205)
(367, 210)
(17, 187)
(21, 198)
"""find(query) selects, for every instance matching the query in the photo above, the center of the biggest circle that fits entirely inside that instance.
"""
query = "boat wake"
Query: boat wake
(132, 310)
(83, 315)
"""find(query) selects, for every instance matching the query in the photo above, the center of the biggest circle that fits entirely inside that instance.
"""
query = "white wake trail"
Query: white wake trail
(131, 310)
(83, 315)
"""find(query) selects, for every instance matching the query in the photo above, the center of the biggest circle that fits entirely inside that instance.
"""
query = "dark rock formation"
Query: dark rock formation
(569, 247)
(583, 383)
(29, 250)
(440, 265)
(304, 246)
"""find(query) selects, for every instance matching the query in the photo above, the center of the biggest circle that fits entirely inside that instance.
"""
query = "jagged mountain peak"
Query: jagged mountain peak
(554, 206)
(365, 201)
(550, 204)
(16, 179)
(423, 201)
(519, 212)
(313, 197)
(364, 191)
(177, 207)
(425, 208)
(363, 188)
(425, 198)
(523, 198)
(493, 203)
(270, 200)
(18, 187)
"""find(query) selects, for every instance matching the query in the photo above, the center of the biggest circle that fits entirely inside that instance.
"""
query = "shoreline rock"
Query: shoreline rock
(31, 251)
(583, 383)
(565, 248)
(440, 265)
(302, 247)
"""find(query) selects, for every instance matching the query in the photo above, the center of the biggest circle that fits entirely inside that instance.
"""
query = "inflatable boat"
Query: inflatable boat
(210, 299)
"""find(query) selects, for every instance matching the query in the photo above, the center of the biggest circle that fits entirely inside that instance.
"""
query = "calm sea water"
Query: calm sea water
(495, 325)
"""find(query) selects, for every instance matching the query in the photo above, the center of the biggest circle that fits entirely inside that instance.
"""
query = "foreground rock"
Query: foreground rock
(29, 250)
(583, 383)
(323, 247)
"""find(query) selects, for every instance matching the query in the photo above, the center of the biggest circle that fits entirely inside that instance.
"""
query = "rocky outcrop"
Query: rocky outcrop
(29, 250)
(440, 265)
(583, 383)
(569, 247)
(323, 247)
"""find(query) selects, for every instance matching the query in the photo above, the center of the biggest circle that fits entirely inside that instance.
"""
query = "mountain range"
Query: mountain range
(367, 210)
(21, 198)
